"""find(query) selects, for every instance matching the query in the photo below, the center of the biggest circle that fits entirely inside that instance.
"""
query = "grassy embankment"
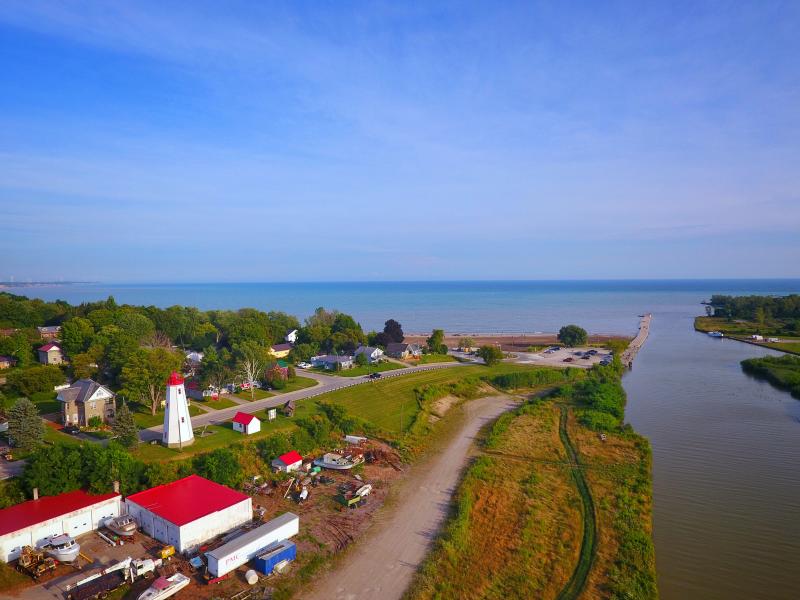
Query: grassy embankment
(427, 359)
(360, 371)
(742, 329)
(781, 371)
(520, 526)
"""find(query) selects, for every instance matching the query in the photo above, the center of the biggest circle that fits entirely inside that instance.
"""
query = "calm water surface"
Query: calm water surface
(726, 466)
(726, 448)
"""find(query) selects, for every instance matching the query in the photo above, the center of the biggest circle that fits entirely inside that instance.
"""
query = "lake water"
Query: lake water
(726, 447)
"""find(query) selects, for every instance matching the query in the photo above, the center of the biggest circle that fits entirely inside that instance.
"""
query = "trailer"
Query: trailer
(266, 562)
(98, 587)
(238, 551)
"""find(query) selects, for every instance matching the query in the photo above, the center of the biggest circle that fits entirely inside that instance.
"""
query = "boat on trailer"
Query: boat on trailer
(62, 547)
(123, 525)
(164, 587)
(337, 462)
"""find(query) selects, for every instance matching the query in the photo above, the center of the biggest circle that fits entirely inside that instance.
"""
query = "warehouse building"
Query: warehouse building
(189, 512)
(73, 513)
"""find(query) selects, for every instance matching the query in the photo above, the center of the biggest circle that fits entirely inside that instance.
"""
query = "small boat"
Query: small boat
(62, 547)
(164, 587)
(123, 525)
(331, 460)
(716, 334)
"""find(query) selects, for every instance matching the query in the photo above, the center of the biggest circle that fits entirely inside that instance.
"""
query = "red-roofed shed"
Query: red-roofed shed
(291, 461)
(246, 423)
(74, 513)
(190, 511)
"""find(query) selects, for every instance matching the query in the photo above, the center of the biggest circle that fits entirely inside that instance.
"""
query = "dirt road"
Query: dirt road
(383, 565)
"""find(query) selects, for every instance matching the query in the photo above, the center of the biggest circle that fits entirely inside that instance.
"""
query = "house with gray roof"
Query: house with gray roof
(373, 354)
(85, 399)
(49, 332)
(332, 363)
(403, 351)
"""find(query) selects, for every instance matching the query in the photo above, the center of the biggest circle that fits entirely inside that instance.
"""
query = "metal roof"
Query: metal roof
(20, 516)
(187, 499)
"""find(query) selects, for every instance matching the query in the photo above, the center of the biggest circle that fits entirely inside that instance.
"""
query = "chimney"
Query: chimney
(116, 487)
(35, 493)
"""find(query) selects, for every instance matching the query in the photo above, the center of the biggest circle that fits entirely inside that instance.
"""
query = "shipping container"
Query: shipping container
(238, 551)
(285, 550)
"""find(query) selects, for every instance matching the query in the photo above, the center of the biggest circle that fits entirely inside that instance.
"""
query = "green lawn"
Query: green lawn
(366, 370)
(46, 402)
(143, 418)
(299, 383)
(258, 394)
(223, 402)
(435, 358)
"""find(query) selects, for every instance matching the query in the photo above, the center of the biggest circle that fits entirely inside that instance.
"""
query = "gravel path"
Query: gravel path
(384, 563)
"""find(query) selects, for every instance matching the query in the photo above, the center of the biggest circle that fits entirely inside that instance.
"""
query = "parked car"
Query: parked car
(71, 429)
(304, 365)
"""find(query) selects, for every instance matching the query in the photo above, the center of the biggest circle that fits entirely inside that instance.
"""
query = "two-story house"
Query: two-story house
(85, 399)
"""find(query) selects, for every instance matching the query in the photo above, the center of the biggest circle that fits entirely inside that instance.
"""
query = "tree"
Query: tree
(467, 342)
(84, 365)
(393, 331)
(25, 427)
(145, 375)
(76, 335)
(42, 378)
(436, 342)
(572, 335)
(251, 359)
(490, 354)
(125, 428)
(221, 465)
(362, 360)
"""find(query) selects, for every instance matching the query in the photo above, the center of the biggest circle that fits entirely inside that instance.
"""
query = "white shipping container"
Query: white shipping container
(238, 551)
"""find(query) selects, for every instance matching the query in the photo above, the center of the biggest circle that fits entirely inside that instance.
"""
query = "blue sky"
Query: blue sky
(257, 141)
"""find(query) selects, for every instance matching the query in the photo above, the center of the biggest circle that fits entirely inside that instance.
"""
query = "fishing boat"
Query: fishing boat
(123, 525)
(716, 334)
(331, 460)
(62, 547)
(164, 587)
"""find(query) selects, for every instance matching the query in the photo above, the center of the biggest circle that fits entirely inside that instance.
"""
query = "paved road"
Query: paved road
(11, 469)
(325, 384)
(382, 566)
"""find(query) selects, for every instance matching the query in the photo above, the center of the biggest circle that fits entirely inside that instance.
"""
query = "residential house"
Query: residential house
(291, 461)
(8, 332)
(280, 350)
(85, 399)
(51, 354)
(50, 332)
(332, 363)
(403, 351)
(246, 423)
(373, 354)
(6, 362)
(291, 337)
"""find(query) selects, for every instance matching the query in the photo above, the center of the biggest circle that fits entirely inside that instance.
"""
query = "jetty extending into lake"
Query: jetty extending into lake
(636, 344)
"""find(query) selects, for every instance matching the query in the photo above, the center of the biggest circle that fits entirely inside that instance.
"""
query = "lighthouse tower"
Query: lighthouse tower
(177, 422)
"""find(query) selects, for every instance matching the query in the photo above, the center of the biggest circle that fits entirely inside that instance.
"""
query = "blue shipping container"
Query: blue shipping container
(271, 556)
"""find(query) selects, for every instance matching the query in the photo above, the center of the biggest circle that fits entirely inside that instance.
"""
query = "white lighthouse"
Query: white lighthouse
(177, 422)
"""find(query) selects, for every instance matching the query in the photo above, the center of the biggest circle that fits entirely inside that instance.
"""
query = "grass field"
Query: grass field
(363, 370)
(222, 402)
(46, 402)
(427, 359)
(143, 418)
(781, 371)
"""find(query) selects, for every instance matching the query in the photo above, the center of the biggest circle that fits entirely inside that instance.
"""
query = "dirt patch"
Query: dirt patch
(441, 406)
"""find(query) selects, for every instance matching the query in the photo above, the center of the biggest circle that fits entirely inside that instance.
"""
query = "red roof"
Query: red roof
(243, 418)
(50, 346)
(32, 512)
(187, 499)
(290, 457)
(175, 379)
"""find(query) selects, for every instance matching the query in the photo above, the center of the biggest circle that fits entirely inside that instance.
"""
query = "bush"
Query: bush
(491, 355)
(532, 378)
(95, 422)
(41, 378)
(598, 421)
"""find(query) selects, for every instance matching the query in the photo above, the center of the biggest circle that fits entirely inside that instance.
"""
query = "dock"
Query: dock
(637, 342)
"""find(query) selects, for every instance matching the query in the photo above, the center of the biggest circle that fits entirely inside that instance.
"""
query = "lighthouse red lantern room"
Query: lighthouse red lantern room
(177, 422)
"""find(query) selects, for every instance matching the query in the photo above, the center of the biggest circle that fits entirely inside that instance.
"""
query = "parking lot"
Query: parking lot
(564, 357)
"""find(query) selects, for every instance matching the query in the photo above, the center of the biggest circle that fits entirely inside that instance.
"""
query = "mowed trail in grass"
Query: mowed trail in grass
(517, 528)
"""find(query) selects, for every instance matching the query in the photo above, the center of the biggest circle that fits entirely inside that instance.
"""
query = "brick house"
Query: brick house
(85, 399)
(50, 332)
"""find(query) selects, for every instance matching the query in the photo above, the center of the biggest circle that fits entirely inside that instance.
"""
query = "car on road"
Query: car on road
(569, 359)
(375, 375)
(304, 365)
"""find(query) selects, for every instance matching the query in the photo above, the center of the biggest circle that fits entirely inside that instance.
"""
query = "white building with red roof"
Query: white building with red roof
(291, 461)
(50, 354)
(189, 511)
(73, 513)
(246, 423)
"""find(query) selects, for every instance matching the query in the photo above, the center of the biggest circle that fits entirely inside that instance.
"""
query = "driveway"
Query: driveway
(382, 566)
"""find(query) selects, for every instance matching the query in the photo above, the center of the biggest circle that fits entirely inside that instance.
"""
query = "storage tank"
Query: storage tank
(238, 551)
(285, 550)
